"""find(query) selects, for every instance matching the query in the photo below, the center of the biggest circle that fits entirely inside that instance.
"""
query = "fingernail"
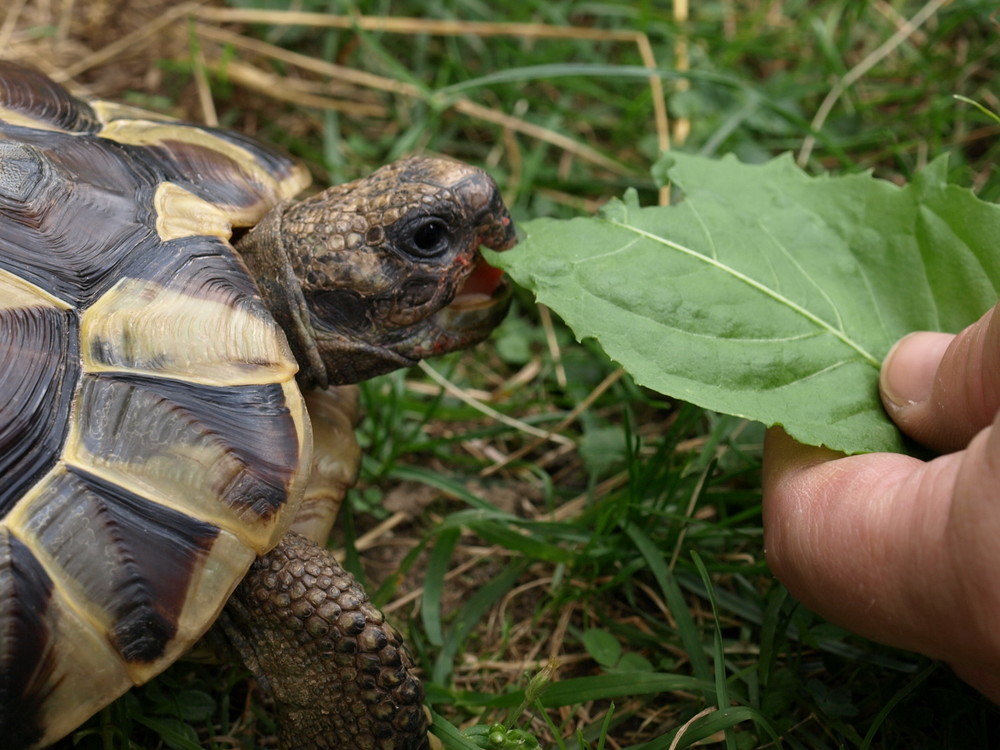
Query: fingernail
(909, 368)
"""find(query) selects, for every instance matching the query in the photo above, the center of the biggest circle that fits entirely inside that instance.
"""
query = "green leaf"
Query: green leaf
(602, 646)
(603, 448)
(634, 662)
(174, 732)
(767, 293)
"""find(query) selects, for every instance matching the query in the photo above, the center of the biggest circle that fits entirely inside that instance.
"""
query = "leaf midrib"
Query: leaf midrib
(757, 286)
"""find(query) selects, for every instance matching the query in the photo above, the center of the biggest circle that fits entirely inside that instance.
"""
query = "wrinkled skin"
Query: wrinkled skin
(368, 276)
(364, 278)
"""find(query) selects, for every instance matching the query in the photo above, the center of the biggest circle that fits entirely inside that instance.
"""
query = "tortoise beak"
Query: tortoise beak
(484, 297)
(484, 281)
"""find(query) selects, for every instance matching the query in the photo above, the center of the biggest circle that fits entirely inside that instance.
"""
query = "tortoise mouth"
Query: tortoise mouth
(484, 297)
(482, 288)
(480, 304)
(486, 286)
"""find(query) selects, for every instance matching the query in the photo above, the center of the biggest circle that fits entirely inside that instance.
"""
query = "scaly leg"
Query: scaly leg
(339, 673)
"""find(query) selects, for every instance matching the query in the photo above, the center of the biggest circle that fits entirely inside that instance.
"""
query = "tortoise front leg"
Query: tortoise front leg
(338, 671)
(333, 413)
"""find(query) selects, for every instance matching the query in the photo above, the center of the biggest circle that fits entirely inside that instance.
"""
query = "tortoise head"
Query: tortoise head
(378, 273)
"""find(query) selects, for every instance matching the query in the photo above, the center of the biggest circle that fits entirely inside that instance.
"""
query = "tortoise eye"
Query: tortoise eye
(429, 238)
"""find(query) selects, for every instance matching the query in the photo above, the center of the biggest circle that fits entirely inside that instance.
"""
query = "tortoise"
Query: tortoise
(178, 337)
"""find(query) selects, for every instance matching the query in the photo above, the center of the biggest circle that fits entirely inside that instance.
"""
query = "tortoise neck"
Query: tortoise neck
(263, 251)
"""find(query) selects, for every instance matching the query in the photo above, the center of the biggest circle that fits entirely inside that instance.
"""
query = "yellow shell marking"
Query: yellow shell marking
(13, 117)
(151, 133)
(15, 293)
(142, 327)
(107, 111)
(180, 213)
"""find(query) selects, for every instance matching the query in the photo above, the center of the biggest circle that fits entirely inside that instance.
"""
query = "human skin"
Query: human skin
(900, 550)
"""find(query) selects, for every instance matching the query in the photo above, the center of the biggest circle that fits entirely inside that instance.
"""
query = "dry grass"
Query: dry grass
(97, 50)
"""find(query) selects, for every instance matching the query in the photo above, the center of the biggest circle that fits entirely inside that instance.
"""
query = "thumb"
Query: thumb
(942, 389)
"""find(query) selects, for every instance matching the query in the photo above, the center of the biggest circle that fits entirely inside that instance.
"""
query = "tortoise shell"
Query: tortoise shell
(152, 436)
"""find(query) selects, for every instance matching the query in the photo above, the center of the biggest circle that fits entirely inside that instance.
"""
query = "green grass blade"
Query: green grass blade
(716, 721)
(451, 738)
(468, 616)
(719, 655)
(687, 629)
(618, 684)
(911, 685)
(437, 567)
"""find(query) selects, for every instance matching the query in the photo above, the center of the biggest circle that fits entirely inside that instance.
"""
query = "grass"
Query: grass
(601, 586)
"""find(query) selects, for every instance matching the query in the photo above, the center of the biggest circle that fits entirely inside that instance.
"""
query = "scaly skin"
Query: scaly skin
(338, 671)
(363, 278)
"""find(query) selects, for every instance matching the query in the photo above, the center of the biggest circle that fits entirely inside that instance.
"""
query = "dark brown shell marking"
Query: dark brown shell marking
(75, 212)
(43, 341)
(158, 431)
(228, 181)
(25, 642)
(27, 93)
(147, 554)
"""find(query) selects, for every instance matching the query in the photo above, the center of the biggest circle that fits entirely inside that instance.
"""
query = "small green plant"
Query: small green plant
(503, 735)
(499, 737)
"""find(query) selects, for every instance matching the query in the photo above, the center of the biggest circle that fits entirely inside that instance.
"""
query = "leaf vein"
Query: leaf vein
(756, 285)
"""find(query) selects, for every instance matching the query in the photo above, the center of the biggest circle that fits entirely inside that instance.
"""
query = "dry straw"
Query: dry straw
(211, 30)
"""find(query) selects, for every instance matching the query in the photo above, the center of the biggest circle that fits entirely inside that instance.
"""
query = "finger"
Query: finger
(971, 534)
(784, 456)
(892, 548)
(942, 389)
(839, 534)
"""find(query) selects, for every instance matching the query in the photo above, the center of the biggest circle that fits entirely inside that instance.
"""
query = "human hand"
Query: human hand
(903, 551)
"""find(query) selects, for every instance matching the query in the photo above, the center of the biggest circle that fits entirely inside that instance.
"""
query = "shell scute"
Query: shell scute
(193, 447)
(39, 366)
(28, 97)
(62, 652)
(190, 314)
(85, 221)
(130, 560)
